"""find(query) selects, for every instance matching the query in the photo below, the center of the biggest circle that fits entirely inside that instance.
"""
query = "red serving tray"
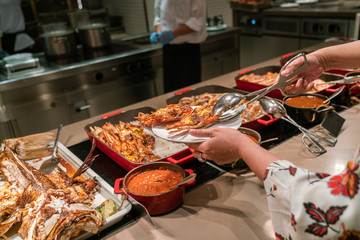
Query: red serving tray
(251, 87)
(255, 124)
(181, 157)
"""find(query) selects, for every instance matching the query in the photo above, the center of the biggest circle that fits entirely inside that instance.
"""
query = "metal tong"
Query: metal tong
(281, 84)
(310, 136)
(345, 80)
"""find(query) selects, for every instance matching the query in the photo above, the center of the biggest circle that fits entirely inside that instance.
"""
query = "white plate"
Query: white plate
(161, 131)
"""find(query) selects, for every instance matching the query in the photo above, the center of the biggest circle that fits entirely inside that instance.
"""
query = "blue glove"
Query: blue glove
(154, 37)
(165, 37)
(2, 53)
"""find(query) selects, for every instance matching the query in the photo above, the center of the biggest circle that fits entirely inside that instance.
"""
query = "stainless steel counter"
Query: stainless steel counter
(93, 81)
(332, 9)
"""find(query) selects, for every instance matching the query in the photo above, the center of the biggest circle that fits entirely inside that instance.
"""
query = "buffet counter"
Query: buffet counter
(233, 205)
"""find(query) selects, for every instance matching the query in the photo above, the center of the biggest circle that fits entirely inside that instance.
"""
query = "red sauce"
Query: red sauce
(252, 138)
(146, 183)
(305, 101)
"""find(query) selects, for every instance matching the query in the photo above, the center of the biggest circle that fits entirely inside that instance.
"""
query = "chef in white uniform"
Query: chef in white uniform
(13, 39)
(180, 26)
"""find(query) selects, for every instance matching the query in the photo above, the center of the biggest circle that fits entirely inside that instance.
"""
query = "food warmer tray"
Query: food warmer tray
(180, 157)
(251, 87)
(255, 124)
(106, 192)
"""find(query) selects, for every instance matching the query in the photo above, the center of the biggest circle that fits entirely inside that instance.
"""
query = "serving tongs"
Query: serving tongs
(344, 81)
(227, 106)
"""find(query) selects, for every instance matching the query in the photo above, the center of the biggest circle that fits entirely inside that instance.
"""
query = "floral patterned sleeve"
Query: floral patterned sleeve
(309, 205)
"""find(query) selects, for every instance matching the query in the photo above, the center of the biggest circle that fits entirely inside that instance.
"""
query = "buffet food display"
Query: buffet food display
(126, 146)
(58, 205)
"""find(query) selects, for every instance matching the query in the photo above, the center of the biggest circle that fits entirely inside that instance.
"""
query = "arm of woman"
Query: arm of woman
(227, 145)
(341, 56)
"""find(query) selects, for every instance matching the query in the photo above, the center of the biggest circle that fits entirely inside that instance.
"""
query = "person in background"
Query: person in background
(303, 204)
(180, 26)
(13, 39)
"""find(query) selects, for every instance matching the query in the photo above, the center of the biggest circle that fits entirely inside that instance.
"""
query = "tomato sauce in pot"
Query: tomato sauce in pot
(252, 138)
(305, 101)
(154, 182)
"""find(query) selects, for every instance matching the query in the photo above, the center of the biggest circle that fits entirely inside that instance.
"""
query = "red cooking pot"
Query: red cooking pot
(160, 203)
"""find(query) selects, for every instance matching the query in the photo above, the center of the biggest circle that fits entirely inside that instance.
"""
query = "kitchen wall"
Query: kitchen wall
(137, 21)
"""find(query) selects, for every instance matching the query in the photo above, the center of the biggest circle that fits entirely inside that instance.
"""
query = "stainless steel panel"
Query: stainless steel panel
(324, 27)
(282, 26)
(255, 49)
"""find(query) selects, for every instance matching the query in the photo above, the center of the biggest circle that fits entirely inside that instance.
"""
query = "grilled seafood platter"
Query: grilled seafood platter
(47, 206)
(253, 110)
(135, 142)
(174, 121)
(179, 118)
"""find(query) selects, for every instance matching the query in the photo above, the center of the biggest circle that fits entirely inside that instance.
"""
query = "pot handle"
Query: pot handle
(117, 186)
(244, 71)
(332, 90)
(265, 122)
(181, 157)
(182, 91)
(189, 171)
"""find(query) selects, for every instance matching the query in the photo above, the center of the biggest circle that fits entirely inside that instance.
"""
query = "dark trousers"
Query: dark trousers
(181, 65)
(8, 42)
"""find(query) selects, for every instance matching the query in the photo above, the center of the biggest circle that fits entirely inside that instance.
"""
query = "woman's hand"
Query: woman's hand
(222, 147)
(304, 82)
(227, 145)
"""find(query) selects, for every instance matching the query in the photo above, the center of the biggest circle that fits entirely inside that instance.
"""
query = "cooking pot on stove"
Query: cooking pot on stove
(94, 35)
(160, 203)
(59, 43)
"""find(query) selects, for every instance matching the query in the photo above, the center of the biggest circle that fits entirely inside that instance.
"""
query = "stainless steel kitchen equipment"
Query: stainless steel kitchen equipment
(59, 43)
(94, 35)
(20, 64)
(82, 88)
(286, 30)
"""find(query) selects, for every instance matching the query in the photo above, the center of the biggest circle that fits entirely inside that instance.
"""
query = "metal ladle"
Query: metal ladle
(225, 105)
(185, 180)
(277, 110)
(49, 165)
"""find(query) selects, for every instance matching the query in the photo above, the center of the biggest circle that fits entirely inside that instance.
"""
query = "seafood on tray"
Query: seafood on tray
(270, 78)
(52, 206)
(32, 146)
(201, 99)
(179, 118)
(252, 112)
(127, 139)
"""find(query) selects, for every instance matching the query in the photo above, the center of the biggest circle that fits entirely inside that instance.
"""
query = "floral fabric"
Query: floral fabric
(309, 205)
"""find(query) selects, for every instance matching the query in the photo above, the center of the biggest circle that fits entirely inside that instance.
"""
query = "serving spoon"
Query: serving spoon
(185, 180)
(49, 165)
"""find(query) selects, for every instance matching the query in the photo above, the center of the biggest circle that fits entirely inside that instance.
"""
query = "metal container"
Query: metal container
(160, 203)
(59, 43)
(307, 115)
(94, 35)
